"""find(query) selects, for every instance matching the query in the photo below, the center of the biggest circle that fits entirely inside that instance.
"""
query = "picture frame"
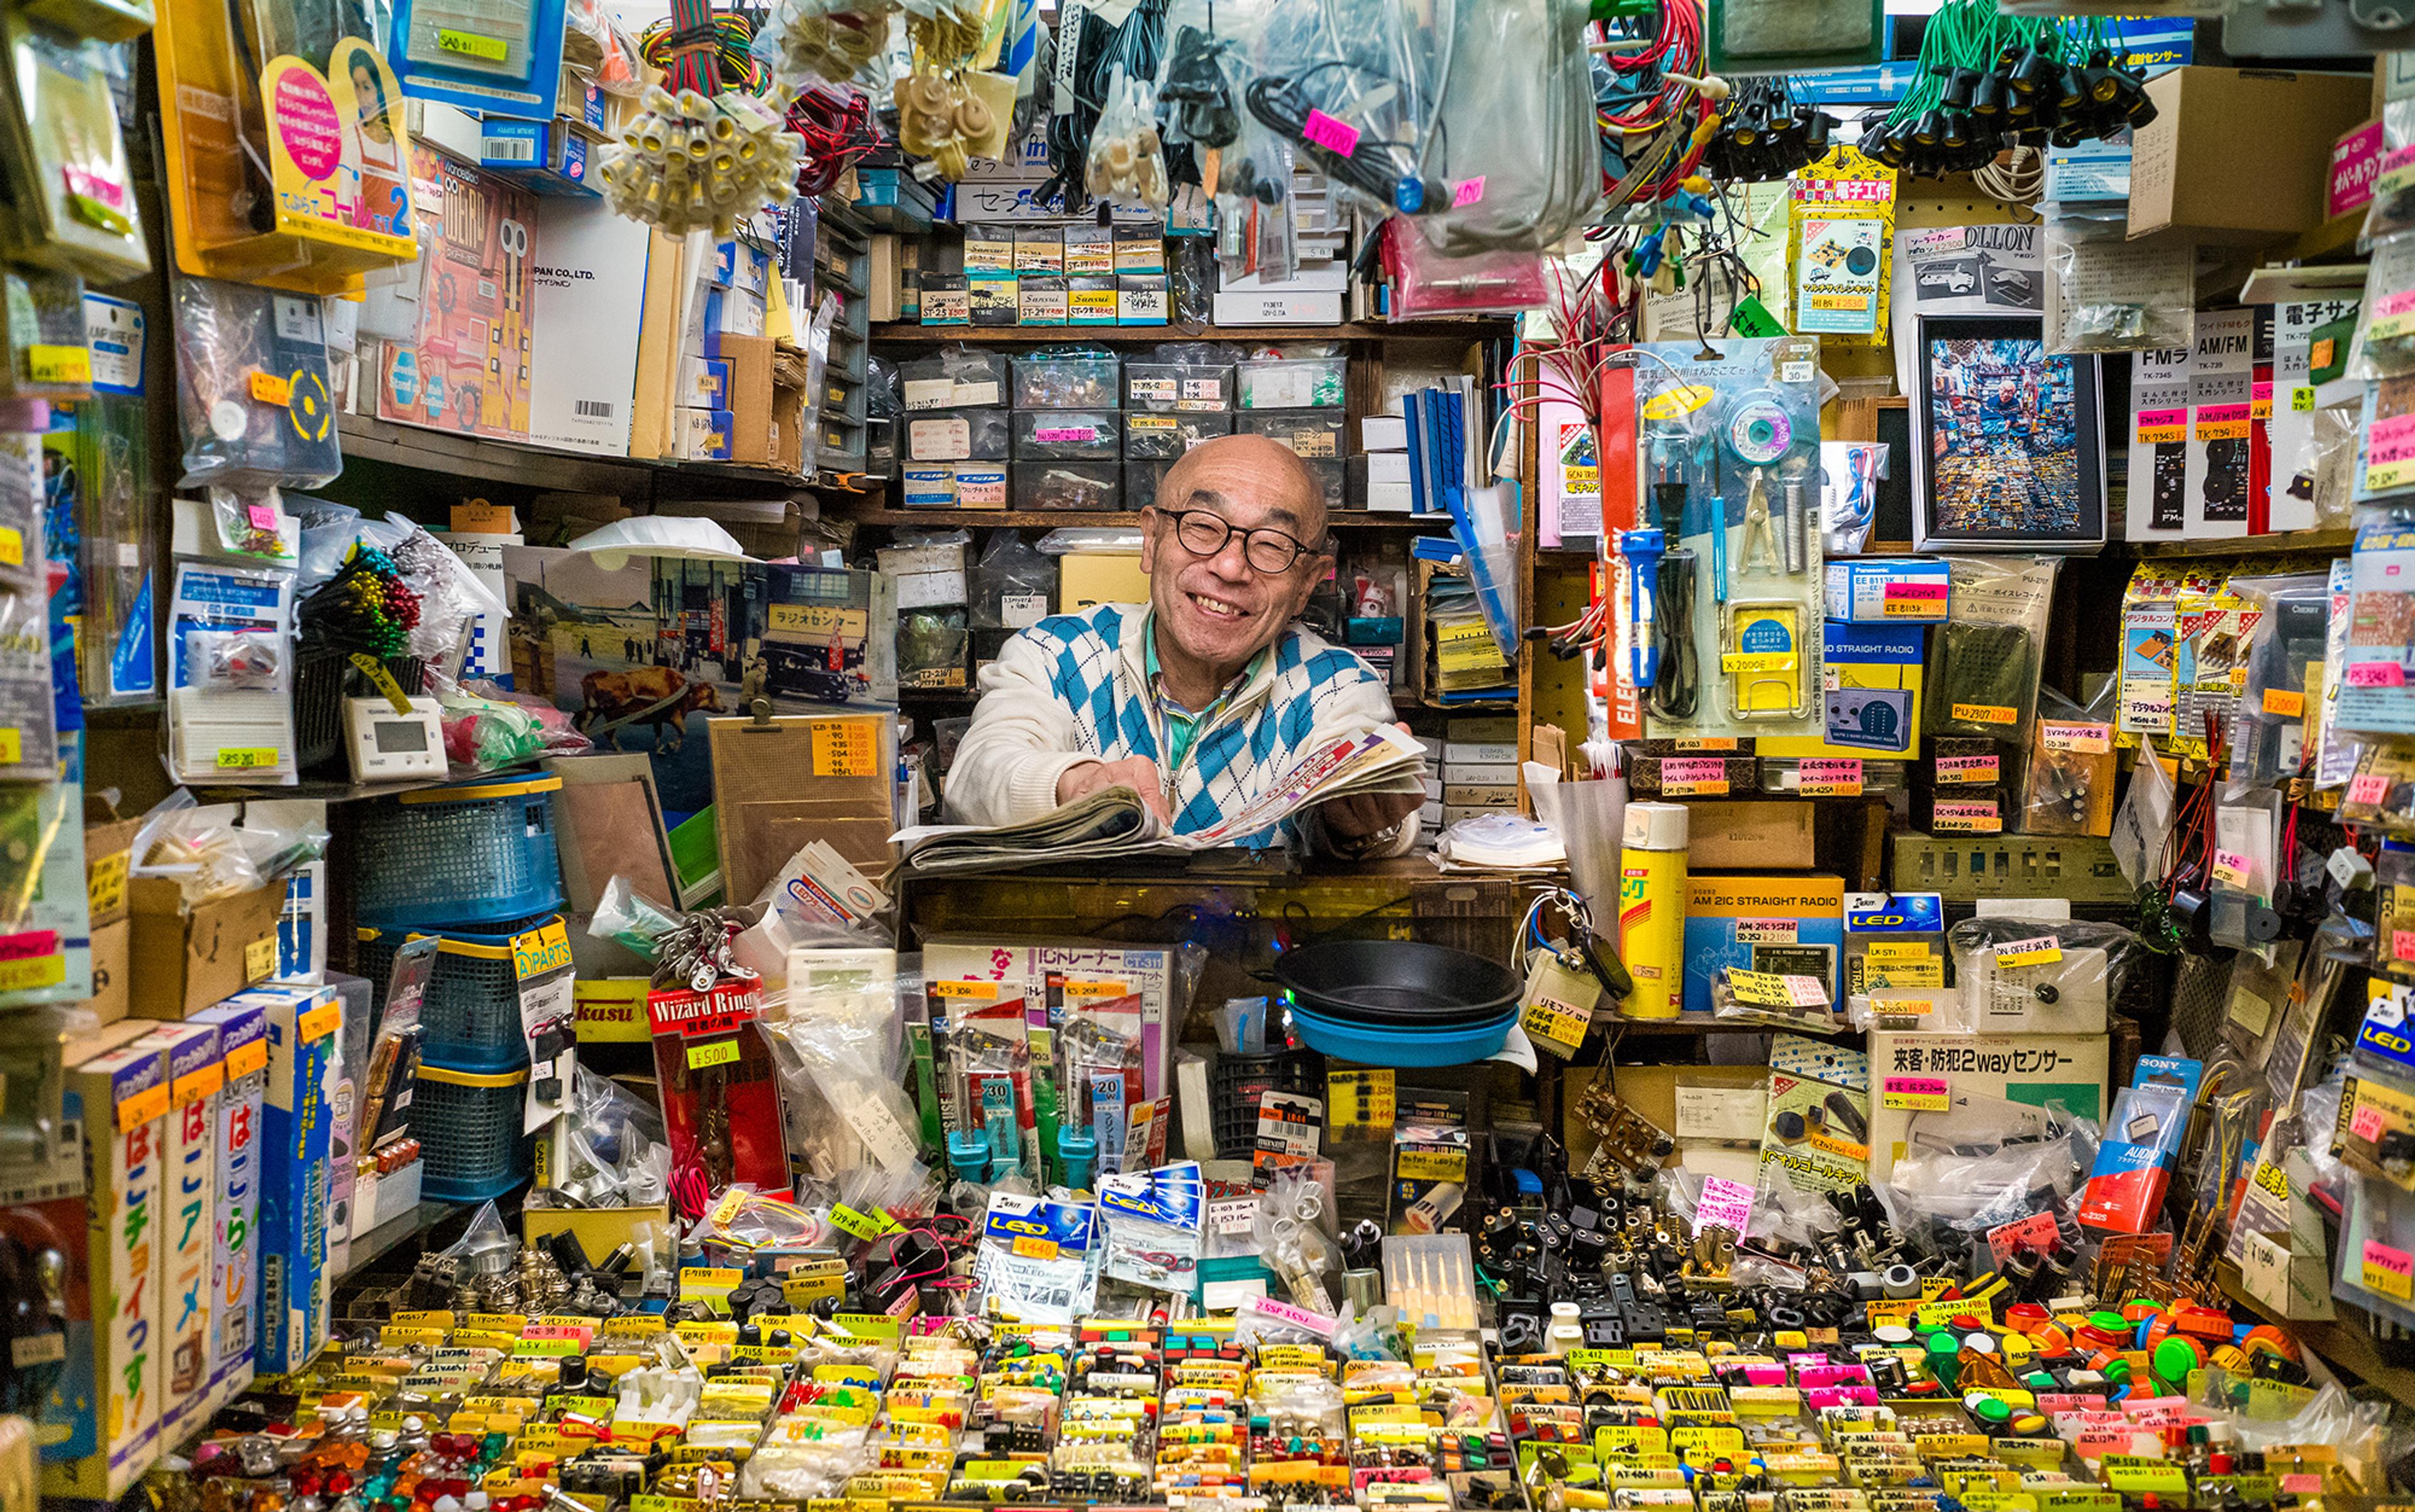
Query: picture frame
(2008, 441)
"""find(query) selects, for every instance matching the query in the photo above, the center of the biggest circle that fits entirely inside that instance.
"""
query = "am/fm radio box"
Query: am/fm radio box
(1791, 925)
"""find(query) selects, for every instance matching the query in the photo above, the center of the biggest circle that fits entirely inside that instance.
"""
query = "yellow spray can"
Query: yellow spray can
(1651, 908)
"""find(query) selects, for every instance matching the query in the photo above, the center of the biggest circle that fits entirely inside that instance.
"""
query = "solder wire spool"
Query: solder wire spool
(1759, 430)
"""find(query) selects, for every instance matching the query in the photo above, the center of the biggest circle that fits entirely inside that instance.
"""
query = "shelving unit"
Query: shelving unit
(1049, 519)
(906, 333)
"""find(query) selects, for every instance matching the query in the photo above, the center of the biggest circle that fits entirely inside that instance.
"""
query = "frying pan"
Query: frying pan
(1402, 983)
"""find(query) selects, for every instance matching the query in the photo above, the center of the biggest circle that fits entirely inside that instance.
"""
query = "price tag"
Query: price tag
(1031, 1247)
(105, 888)
(245, 758)
(267, 388)
(712, 1053)
(1337, 137)
(12, 742)
(983, 991)
(2367, 1124)
(844, 748)
(260, 959)
(2302, 398)
(2288, 703)
(471, 45)
(2045, 950)
(1693, 777)
(2085, 739)
(1829, 777)
(1769, 988)
(1724, 1203)
(379, 679)
(2231, 868)
(2368, 788)
(1466, 192)
(25, 973)
(2376, 675)
(1916, 1094)
(1986, 713)
(58, 365)
(2389, 1271)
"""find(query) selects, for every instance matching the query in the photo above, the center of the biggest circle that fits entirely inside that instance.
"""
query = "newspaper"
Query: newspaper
(1117, 823)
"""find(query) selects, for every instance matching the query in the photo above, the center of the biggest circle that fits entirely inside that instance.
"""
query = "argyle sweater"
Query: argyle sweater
(1074, 688)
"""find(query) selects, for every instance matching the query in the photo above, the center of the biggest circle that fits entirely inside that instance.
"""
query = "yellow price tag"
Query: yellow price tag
(105, 888)
(1986, 713)
(471, 45)
(12, 546)
(58, 365)
(712, 1053)
(245, 758)
(33, 971)
(2389, 1271)
(983, 990)
(260, 959)
(267, 388)
(1031, 1247)
(2302, 398)
(13, 751)
(2285, 702)
(2043, 950)
(844, 748)
(321, 1022)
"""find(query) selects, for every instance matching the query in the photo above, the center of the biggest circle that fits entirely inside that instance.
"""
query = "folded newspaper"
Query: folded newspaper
(1116, 823)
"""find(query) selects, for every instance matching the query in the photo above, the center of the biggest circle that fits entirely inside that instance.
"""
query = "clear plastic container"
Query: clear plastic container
(1069, 485)
(1079, 435)
(958, 378)
(957, 436)
(1066, 381)
(1161, 438)
(1191, 387)
(1292, 383)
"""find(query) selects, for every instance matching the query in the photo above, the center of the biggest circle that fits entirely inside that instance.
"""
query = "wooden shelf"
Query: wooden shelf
(481, 458)
(2285, 543)
(1475, 329)
(1048, 519)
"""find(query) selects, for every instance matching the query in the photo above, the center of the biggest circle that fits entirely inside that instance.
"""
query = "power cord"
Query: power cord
(1678, 689)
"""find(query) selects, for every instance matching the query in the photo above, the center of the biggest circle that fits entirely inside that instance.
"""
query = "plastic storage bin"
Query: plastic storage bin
(470, 1016)
(1142, 481)
(468, 1125)
(956, 436)
(1190, 387)
(1234, 1083)
(957, 378)
(1093, 486)
(466, 854)
(1078, 434)
(1160, 438)
(1066, 381)
(1292, 383)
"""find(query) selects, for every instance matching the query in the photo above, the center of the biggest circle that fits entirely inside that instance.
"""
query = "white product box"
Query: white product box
(1383, 433)
(588, 293)
(1494, 752)
(187, 1235)
(1485, 773)
(1388, 469)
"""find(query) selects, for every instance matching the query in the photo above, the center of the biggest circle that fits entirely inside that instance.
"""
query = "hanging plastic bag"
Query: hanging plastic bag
(1427, 282)
(1127, 162)
(1517, 150)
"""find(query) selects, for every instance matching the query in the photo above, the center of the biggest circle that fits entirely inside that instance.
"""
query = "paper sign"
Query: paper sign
(2285, 702)
(1829, 777)
(844, 748)
(2389, 1271)
(2045, 950)
(1466, 192)
(1916, 1094)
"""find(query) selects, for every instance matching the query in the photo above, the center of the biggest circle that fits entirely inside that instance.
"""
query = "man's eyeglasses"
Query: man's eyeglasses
(1203, 534)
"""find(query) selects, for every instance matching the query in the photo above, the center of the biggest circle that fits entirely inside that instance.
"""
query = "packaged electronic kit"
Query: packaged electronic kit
(104, 485)
(2282, 674)
(1841, 247)
(252, 388)
(2377, 693)
(2125, 1193)
(1727, 608)
(188, 1193)
(288, 160)
(1153, 1221)
(720, 1088)
(1782, 926)
(2024, 976)
(42, 355)
(1982, 680)
(1894, 942)
(2069, 772)
(1872, 676)
(73, 193)
(2306, 484)
(229, 660)
(1935, 1089)
(1819, 1114)
(497, 57)
(1038, 1260)
(235, 1268)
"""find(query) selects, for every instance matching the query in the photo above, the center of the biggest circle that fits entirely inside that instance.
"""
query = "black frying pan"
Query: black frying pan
(1399, 982)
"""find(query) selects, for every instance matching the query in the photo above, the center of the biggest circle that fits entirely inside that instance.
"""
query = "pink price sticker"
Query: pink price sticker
(2376, 675)
(2402, 944)
(263, 516)
(31, 946)
(2301, 1484)
(2368, 788)
(1924, 592)
(2231, 868)
(1466, 192)
(1829, 777)
(1337, 137)
(1064, 433)
(1724, 1203)
(2367, 1124)
(2037, 1231)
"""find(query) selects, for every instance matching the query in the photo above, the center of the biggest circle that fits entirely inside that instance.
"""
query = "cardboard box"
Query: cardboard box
(120, 1097)
(182, 961)
(825, 776)
(108, 852)
(706, 435)
(296, 1124)
(113, 973)
(588, 286)
(235, 1216)
(887, 279)
(1976, 1076)
(1789, 926)
(187, 1226)
(704, 382)
(1872, 700)
(2239, 156)
(661, 340)
(1747, 832)
(1089, 577)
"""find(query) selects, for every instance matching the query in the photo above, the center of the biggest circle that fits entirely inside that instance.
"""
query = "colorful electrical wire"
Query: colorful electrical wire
(365, 607)
(707, 51)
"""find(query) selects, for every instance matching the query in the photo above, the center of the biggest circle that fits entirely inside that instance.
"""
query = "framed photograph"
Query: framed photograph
(2008, 441)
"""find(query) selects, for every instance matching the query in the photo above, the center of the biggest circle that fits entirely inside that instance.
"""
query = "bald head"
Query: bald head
(1256, 475)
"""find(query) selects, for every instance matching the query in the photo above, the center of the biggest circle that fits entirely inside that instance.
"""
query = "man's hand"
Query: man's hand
(1364, 814)
(1139, 773)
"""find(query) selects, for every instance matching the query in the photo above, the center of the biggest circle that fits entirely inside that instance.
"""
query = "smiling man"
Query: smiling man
(1202, 700)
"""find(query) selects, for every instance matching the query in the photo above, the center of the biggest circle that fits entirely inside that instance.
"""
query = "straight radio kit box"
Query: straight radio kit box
(296, 1128)
(116, 1368)
(235, 1264)
(1791, 926)
(1870, 696)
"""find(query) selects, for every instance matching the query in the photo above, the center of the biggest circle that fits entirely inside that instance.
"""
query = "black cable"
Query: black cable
(1679, 686)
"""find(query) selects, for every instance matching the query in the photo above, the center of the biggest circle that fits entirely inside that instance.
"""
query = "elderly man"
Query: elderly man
(1202, 700)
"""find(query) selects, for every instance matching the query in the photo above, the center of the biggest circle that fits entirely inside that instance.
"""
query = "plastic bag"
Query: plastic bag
(2384, 344)
(2104, 294)
(2391, 209)
(489, 728)
(1518, 152)
(1127, 162)
(841, 1037)
(1428, 282)
(237, 658)
(451, 598)
(250, 524)
(1292, 1229)
(211, 856)
(627, 918)
(252, 389)
(1013, 584)
(1985, 678)
(328, 532)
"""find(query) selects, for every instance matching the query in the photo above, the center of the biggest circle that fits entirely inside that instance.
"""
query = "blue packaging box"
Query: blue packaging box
(295, 1128)
(1889, 590)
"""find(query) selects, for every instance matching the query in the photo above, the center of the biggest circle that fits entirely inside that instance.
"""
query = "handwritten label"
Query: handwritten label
(2368, 788)
(1967, 768)
(2367, 1124)
(2286, 703)
(58, 365)
(1829, 777)
(1339, 137)
(471, 45)
(2388, 1271)
(1724, 1203)
(2231, 868)
(1986, 713)
(1065, 433)
(260, 959)
(1466, 192)
(2376, 675)
(1767, 931)
(1916, 1094)
(712, 1053)
(243, 757)
(2083, 739)
(1693, 776)
(846, 748)
(1032, 1246)
(267, 388)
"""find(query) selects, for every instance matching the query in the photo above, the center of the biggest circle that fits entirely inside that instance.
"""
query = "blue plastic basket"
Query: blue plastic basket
(470, 1018)
(468, 1125)
(1392, 1045)
(467, 854)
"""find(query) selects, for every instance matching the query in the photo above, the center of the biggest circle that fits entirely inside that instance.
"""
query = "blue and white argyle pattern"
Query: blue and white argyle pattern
(1253, 740)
